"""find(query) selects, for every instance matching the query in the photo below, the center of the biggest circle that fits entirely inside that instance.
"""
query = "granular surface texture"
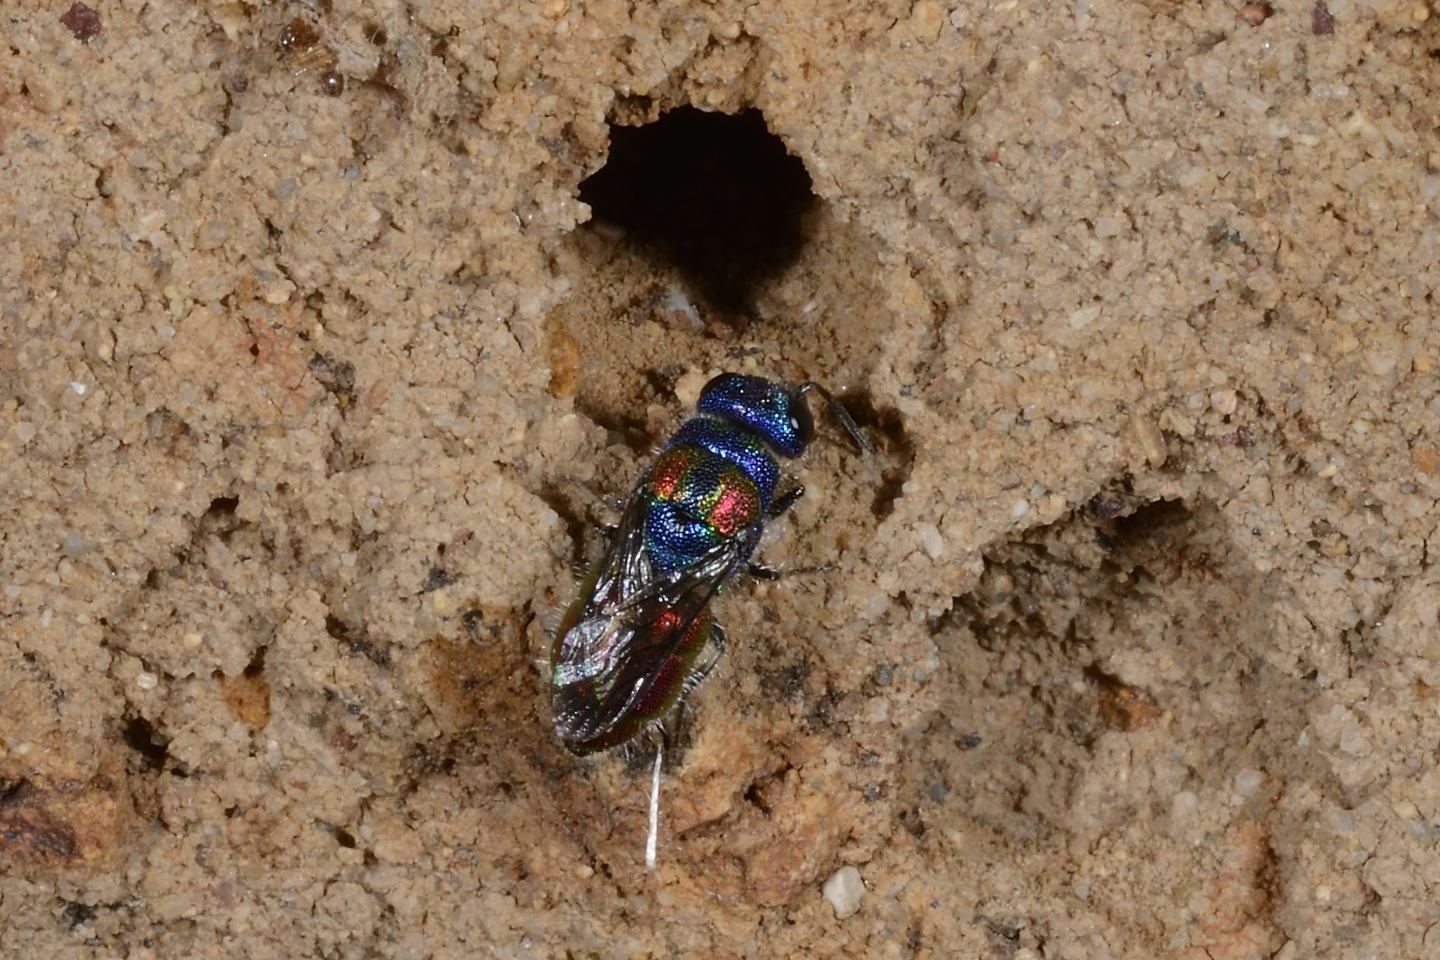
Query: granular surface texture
(330, 332)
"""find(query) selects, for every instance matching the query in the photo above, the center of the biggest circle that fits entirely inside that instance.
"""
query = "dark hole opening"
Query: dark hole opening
(336, 376)
(715, 195)
(142, 737)
(885, 428)
(356, 641)
(77, 913)
(1151, 519)
(223, 506)
(436, 579)
(12, 790)
(336, 628)
(256, 666)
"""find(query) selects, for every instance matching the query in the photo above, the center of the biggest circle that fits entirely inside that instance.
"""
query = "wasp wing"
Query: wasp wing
(623, 652)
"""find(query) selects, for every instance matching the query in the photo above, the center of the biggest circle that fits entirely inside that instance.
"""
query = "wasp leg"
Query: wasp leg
(702, 670)
(761, 572)
(603, 507)
(786, 501)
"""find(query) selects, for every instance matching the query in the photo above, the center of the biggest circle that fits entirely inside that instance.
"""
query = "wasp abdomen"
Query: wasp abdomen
(739, 446)
(710, 482)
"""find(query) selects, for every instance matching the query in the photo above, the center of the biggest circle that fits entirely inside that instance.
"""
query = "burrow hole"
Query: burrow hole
(149, 744)
(714, 196)
(707, 249)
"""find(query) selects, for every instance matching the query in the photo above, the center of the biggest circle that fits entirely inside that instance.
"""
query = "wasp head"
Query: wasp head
(777, 415)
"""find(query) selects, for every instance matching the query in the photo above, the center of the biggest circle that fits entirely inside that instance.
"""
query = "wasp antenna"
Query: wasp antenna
(841, 414)
(653, 837)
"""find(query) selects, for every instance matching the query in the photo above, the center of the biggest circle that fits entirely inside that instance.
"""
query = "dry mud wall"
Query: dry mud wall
(332, 329)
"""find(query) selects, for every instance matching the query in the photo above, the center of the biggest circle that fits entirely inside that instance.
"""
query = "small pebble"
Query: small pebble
(1254, 13)
(1224, 401)
(844, 891)
(931, 540)
(1382, 362)
(509, 69)
(212, 235)
(1152, 441)
(928, 17)
(1247, 782)
(146, 680)
(76, 545)
(45, 95)
(1082, 318)
(1426, 458)
(82, 21)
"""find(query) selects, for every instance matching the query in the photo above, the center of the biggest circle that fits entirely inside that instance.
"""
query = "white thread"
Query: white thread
(650, 841)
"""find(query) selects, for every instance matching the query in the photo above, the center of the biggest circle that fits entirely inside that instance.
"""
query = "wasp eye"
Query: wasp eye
(801, 421)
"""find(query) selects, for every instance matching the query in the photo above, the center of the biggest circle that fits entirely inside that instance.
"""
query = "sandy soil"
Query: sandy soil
(317, 376)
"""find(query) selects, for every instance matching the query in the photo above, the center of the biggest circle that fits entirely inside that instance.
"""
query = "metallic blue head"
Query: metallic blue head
(770, 411)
